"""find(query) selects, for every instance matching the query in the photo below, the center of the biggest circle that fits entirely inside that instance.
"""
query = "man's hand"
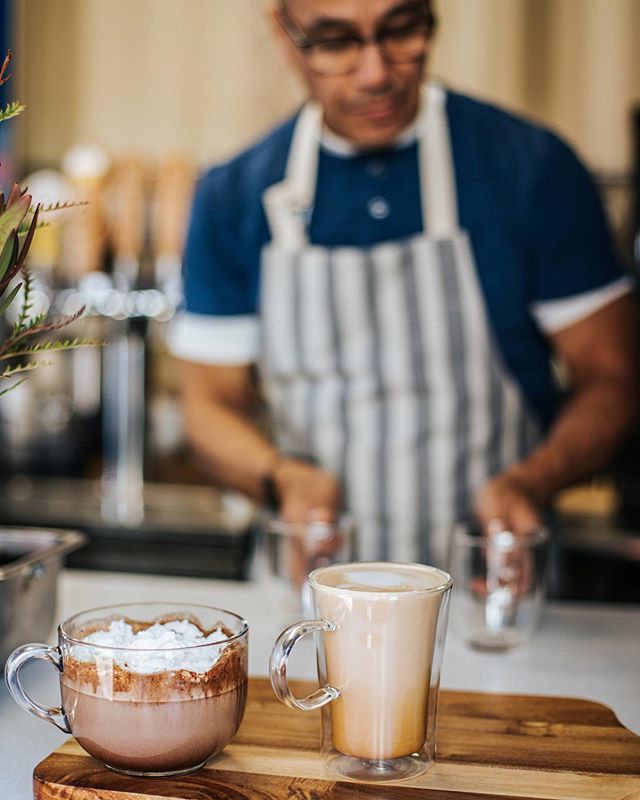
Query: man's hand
(307, 493)
(502, 504)
(600, 357)
(506, 500)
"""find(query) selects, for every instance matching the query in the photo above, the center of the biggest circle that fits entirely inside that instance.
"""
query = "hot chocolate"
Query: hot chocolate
(154, 698)
(380, 654)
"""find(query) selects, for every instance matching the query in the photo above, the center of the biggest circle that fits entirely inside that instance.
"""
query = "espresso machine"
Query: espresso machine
(95, 441)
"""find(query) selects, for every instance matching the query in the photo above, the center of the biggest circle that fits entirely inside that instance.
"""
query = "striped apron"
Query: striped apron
(379, 363)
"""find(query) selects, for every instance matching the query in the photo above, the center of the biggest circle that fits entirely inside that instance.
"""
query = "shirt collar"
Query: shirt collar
(340, 146)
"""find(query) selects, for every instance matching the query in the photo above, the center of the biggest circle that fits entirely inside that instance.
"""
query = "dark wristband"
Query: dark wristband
(270, 491)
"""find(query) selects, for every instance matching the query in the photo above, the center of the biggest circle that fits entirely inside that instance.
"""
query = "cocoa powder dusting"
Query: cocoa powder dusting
(105, 678)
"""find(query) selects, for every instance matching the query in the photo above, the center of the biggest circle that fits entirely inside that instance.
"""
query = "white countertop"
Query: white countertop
(581, 650)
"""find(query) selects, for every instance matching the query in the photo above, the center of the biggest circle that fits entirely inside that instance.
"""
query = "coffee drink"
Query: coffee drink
(382, 628)
(380, 655)
(140, 700)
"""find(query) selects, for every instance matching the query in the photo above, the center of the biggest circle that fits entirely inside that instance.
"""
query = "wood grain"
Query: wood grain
(489, 746)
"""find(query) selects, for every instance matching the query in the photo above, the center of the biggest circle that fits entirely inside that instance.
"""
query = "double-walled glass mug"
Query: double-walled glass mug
(500, 582)
(142, 709)
(290, 551)
(383, 628)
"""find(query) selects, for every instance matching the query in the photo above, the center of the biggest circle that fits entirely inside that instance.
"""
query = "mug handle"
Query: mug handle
(14, 664)
(279, 662)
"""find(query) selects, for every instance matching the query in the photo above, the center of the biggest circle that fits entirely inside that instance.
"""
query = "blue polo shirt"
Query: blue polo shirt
(536, 224)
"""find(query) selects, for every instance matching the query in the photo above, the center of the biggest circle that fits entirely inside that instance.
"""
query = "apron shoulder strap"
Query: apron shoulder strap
(437, 172)
(286, 204)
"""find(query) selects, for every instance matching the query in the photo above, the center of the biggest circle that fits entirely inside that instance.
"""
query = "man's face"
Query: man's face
(374, 102)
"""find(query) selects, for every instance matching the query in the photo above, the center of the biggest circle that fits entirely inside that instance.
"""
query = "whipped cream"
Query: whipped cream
(161, 647)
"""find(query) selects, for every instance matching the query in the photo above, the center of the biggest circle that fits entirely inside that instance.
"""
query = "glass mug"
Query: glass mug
(144, 711)
(500, 581)
(383, 629)
(290, 551)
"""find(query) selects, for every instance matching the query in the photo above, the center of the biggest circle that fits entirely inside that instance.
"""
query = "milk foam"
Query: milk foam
(381, 577)
(373, 580)
(161, 647)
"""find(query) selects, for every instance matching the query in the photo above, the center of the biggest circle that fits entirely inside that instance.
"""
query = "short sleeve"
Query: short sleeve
(219, 324)
(568, 237)
(218, 280)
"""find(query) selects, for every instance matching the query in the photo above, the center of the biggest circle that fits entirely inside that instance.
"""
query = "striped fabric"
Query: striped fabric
(380, 364)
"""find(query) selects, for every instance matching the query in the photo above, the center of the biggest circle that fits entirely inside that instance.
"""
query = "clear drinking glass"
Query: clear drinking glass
(290, 551)
(499, 585)
(383, 628)
(144, 711)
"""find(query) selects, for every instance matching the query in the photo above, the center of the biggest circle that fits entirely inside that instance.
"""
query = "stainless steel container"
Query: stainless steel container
(30, 559)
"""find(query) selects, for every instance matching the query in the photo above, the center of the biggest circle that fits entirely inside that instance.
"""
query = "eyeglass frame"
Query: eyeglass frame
(302, 41)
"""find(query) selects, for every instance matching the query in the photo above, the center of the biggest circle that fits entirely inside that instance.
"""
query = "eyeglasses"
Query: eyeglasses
(401, 42)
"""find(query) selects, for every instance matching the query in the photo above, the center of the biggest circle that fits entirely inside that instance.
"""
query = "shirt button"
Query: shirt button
(378, 208)
(375, 167)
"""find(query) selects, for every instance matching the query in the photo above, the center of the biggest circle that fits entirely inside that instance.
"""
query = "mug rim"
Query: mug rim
(462, 535)
(447, 580)
(273, 523)
(228, 640)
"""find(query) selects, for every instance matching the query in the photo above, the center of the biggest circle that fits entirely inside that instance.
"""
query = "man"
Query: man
(401, 262)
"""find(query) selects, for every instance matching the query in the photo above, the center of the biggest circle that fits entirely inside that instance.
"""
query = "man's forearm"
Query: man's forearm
(238, 456)
(582, 441)
(235, 453)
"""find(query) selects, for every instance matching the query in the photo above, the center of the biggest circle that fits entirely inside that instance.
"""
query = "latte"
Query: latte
(380, 655)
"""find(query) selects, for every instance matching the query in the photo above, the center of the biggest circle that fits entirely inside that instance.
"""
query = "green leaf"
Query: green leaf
(33, 328)
(35, 322)
(60, 206)
(6, 301)
(11, 388)
(12, 109)
(26, 302)
(24, 228)
(9, 372)
(9, 253)
(53, 345)
(11, 218)
(24, 328)
(29, 237)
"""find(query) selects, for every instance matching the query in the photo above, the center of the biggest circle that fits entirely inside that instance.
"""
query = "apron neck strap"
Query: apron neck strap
(301, 173)
(437, 172)
(288, 203)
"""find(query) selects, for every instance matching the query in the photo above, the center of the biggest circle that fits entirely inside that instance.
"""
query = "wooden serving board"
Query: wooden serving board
(489, 746)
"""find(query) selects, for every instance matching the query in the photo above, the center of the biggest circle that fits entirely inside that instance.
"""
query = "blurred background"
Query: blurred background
(126, 103)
